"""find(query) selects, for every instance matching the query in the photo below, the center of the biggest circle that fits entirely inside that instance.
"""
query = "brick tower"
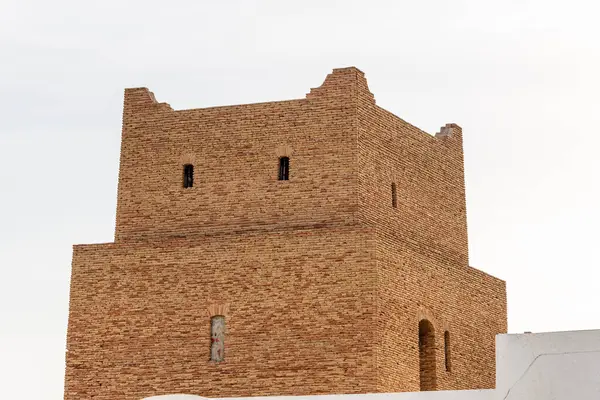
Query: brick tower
(311, 246)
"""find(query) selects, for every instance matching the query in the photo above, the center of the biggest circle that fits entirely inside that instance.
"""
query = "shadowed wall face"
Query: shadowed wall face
(411, 192)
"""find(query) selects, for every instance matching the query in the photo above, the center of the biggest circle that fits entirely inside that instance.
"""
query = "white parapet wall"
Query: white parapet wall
(439, 395)
(554, 365)
(175, 397)
(530, 366)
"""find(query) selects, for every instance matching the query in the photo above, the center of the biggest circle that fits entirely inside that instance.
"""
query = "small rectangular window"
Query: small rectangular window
(284, 169)
(394, 198)
(188, 176)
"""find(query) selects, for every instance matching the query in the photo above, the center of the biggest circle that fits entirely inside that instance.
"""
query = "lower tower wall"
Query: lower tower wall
(417, 284)
(298, 305)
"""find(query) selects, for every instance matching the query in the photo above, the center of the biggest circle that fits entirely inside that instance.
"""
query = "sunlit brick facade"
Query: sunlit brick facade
(323, 280)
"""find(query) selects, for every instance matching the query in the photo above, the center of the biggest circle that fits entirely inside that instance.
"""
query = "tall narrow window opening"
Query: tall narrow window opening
(217, 338)
(284, 169)
(394, 199)
(447, 350)
(427, 355)
(188, 176)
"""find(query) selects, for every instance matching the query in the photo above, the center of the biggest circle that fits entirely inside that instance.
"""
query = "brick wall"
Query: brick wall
(471, 305)
(298, 307)
(422, 252)
(235, 151)
(322, 282)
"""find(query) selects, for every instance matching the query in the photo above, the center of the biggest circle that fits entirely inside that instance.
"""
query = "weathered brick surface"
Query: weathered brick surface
(235, 152)
(140, 315)
(422, 252)
(322, 282)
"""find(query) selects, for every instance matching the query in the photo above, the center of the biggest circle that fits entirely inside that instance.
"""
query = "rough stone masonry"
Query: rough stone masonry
(350, 276)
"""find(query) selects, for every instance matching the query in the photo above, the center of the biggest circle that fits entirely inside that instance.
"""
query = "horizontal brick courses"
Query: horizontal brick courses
(321, 281)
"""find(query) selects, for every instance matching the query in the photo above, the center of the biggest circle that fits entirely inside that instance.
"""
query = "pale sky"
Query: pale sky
(521, 77)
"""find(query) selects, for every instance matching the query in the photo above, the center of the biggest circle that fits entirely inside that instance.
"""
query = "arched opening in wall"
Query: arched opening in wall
(427, 355)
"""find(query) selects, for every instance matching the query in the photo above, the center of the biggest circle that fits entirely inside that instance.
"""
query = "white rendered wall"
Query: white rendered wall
(175, 397)
(555, 365)
(440, 395)
(540, 366)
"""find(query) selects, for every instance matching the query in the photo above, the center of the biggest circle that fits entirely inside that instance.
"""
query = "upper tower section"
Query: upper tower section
(332, 158)
(411, 183)
(279, 165)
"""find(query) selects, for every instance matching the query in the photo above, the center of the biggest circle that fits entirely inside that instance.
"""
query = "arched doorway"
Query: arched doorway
(426, 355)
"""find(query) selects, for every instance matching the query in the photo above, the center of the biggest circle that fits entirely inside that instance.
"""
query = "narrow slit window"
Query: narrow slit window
(394, 197)
(217, 338)
(188, 176)
(284, 169)
(447, 350)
